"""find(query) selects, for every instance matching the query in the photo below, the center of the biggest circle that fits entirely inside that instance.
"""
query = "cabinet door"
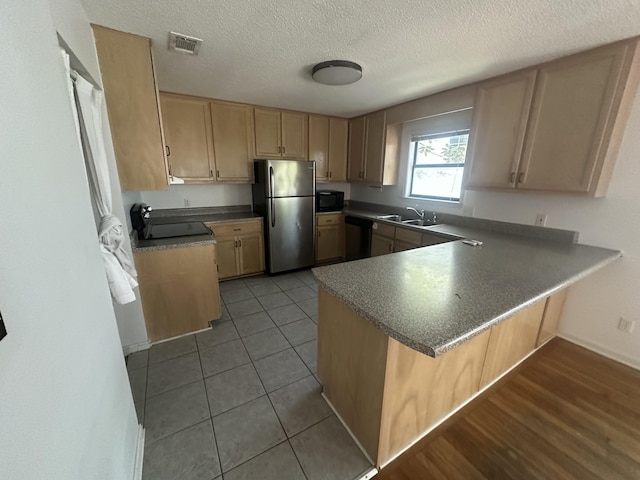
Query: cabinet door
(131, 97)
(356, 149)
(572, 108)
(380, 245)
(401, 246)
(319, 145)
(187, 134)
(328, 242)
(294, 135)
(375, 147)
(227, 257)
(338, 146)
(267, 131)
(500, 118)
(251, 249)
(232, 142)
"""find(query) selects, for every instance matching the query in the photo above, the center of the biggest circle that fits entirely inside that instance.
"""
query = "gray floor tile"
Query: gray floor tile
(236, 295)
(246, 431)
(223, 357)
(288, 281)
(310, 306)
(242, 309)
(138, 382)
(233, 388)
(171, 349)
(138, 360)
(274, 300)
(300, 332)
(254, 323)
(173, 373)
(220, 332)
(175, 410)
(313, 286)
(251, 281)
(265, 288)
(281, 369)
(225, 314)
(327, 452)
(309, 354)
(265, 343)
(279, 463)
(287, 314)
(300, 405)
(306, 277)
(314, 318)
(187, 455)
(301, 293)
(227, 285)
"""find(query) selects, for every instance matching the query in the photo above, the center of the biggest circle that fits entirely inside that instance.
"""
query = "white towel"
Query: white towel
(121, 274)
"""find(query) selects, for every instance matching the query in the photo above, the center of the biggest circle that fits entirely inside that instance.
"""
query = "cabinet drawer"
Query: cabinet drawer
(233, 229)
(409, 236)
(328, 219)
(384, 230)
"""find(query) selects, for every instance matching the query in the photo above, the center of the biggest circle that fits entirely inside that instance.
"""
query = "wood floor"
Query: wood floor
(565, 413)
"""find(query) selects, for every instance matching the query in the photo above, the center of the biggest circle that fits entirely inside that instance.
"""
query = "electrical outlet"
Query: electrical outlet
(625, 325)
(541, 220)
(187, 202)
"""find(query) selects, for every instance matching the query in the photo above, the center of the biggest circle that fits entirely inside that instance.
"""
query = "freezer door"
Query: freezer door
(290, 178)
(290, 229)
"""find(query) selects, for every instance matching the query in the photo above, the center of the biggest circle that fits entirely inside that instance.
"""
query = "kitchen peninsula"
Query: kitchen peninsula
(406, 339)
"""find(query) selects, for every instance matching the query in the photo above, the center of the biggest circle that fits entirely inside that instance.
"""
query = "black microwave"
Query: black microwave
(329, 200)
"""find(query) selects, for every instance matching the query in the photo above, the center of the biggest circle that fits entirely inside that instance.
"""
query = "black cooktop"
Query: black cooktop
(170, 230)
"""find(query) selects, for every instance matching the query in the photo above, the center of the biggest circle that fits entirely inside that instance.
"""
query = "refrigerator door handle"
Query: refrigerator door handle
(271, 184)
(273, 213)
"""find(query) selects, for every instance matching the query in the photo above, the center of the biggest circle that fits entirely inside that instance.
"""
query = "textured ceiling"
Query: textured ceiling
(261, 52)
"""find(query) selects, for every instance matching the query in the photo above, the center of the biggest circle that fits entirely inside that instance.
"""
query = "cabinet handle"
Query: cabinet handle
(520, 177)
(390, 247)
(237, 229)
(329, 174)
(211, 173)
(170, 171)
(283, 150)
(279, 149)
(513, 177)
(217, 173)
(168, 150)
(319, 232)
(239, 243)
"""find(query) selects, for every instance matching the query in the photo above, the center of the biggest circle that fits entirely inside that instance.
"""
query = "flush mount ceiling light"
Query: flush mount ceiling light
(337, 72)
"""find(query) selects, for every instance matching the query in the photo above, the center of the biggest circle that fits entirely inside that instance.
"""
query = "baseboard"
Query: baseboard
(601, 350)
(129, 349)
(370, 473)
(137, 466)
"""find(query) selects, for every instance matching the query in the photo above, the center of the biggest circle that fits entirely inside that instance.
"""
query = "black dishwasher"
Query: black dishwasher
(358, 238)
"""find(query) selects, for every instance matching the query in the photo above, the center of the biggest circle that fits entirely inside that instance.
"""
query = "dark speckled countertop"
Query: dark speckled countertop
(434, 298)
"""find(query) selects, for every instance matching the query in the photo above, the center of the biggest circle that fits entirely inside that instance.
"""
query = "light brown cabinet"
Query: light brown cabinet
(382, 239)
(232, 127)
(561, 135)
(280, 134)
(179, 290)
(328, 142)
(373, 150)
(329, 237)
(131, 95)
(188, 139)
(240, 246)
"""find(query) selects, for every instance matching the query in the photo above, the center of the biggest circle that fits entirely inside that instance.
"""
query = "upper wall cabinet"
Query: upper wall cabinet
(373, 150)
(232, 142)
(328, 147)
(563, 137)
(131, 96)
(187, 133)
(280, 134)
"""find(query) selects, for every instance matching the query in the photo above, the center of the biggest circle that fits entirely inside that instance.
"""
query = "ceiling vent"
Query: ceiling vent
(184, 43)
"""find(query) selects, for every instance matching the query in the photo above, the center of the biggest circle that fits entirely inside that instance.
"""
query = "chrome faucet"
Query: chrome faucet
(420, 213)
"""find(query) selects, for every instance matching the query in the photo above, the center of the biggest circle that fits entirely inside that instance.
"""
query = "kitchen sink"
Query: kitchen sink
(391, 218)
(416, 221)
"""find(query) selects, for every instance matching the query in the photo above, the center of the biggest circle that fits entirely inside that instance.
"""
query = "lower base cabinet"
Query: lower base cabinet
(179, 290)
(329, 237)
(240, 247)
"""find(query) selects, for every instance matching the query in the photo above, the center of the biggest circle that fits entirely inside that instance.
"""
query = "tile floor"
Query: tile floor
(242, 401)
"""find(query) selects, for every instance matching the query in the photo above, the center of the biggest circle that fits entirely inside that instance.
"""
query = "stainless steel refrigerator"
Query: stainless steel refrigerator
(284, 194)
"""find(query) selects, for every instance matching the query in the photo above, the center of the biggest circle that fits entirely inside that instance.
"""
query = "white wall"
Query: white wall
(71, 22)
(67, 411)
(596, 303)
(208, 195)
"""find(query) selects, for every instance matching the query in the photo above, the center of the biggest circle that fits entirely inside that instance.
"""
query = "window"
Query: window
(437, 165)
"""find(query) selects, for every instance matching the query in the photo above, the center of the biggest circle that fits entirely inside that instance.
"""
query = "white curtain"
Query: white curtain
(121, 274)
